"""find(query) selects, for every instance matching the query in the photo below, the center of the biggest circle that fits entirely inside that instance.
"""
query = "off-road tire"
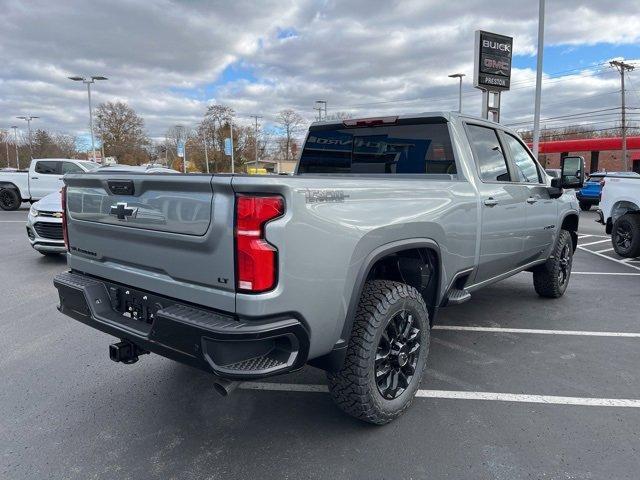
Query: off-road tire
(585, 206)
(9, 199)
(630, 224)
(354, 388)
(547, 277)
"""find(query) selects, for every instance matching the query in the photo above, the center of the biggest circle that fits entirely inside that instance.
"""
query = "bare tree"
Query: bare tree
(291, 123)
(339, 116)
(121, 131)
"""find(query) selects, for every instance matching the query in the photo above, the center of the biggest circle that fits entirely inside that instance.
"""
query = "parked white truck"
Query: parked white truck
(43, 177)
(620, 213)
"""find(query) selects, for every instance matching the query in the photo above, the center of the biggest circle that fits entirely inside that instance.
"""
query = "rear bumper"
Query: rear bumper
(588, 198)
(219, 343)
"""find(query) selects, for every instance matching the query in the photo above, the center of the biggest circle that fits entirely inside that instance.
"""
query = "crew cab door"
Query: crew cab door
(541, 212)
(503, 224)
(45, 176)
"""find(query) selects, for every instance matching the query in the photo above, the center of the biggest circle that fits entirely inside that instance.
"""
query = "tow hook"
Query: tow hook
(125, 352)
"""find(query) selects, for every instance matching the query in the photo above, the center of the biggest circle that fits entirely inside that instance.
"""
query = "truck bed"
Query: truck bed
(180, 243)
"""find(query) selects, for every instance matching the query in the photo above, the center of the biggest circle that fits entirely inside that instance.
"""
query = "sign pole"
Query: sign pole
(492, 70)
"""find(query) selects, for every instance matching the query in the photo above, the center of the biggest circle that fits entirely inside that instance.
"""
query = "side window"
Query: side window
(492, 163)
(48, 168)
(526, 168)
(68, 167)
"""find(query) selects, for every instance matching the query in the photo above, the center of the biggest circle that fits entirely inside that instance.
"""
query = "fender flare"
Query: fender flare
(368, 263)
(11, 186)
(574, 235)
(333, 361)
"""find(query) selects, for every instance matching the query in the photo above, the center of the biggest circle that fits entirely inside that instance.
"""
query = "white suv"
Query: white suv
(620, 213)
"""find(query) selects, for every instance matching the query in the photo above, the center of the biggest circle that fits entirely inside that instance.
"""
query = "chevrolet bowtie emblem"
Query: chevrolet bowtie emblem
(122, 211)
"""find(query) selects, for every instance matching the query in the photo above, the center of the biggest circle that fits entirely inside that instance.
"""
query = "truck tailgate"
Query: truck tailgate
(165, 233)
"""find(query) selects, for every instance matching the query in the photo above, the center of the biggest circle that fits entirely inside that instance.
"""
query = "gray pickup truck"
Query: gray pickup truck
(343, 265)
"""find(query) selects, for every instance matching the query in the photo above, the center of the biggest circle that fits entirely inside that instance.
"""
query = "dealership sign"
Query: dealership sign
(492, 61)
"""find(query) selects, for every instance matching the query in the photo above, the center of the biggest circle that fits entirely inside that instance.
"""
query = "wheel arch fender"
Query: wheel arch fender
(622, 206)
(569, 222)
(374, 257)
(333, 360)
(10, 185)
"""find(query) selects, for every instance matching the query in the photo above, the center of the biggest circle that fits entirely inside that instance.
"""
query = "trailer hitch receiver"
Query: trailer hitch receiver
(125, 351)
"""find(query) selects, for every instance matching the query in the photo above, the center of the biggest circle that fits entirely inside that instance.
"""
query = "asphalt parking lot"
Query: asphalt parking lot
(516, 387)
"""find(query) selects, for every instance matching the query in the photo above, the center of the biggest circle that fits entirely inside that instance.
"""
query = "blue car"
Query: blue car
(590, 193)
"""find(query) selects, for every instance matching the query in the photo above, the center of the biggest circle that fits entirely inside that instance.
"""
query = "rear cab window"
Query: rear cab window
(45, 167)
(403, 148)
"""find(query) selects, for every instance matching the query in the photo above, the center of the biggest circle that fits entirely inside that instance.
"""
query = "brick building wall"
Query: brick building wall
(609, 160)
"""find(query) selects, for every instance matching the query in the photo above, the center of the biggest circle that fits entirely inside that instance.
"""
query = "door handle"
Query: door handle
(34, 178)
(491, 202)
(531, 200)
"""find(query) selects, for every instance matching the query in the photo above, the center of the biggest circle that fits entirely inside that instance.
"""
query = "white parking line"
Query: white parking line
(604, 250)
(624, 274)
(582, 333)
(462, 395)
(593, 243)
(609, 258)
(627, 260)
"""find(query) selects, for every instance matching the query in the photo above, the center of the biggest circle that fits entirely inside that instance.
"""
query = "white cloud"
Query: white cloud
(391, 56)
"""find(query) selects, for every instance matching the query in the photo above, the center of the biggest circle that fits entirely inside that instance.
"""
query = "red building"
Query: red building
(599, 153)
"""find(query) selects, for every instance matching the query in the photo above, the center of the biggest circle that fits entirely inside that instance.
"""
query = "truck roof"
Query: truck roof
(447, 115)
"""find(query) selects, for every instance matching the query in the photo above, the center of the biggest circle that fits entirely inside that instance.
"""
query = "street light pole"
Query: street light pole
(6, 143)
(206, 152)
(15, 136)
(28, 119)
(536, 108)
(256, 118)
(459, 76)
(88, 82)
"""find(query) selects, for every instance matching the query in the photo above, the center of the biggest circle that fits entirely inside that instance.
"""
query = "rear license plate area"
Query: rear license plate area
(134, 304)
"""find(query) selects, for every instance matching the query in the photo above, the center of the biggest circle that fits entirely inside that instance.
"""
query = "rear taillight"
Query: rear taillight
(65, 234)
(256, 259)
(602, 182)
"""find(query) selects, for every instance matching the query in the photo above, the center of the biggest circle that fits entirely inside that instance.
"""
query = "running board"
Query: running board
(456, 296)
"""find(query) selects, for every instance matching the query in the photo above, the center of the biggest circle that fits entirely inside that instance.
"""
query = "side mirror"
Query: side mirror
(571, 173)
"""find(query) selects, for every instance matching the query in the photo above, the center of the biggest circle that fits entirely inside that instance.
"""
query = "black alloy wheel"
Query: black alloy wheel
(397, 355)
(565, 260)
(623, 235)
(9, 199)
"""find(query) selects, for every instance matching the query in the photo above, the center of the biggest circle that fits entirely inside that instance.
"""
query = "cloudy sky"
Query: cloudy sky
(170, 59)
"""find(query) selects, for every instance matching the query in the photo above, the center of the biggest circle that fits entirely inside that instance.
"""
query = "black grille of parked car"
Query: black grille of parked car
(49, 230)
